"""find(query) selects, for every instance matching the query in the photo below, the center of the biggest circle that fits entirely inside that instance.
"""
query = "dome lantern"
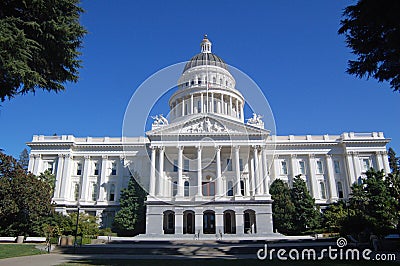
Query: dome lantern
(205, 45)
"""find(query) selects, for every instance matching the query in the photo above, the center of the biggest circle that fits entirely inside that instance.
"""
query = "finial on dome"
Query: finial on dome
(205, 45)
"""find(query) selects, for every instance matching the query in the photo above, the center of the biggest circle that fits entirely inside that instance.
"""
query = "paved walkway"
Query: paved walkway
(36, 260)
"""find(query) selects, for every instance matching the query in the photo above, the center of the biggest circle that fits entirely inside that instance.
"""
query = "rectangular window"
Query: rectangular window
(112, 193)
(186, 165)
(199, 106)
(302, 166)
(337, 167)
(229, 192)
(320, 170)
(175, 166)
(208, 188)
(175, 188)
(76, 192)
(96, 169)
(366, 164)
(78, 169)
(229, 164)
(94, 192)
(284, 168)
(114, 168)
(49, 166)
(241, 164)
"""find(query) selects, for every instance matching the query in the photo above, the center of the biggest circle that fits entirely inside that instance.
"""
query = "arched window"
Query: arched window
(229, 192)
(340, 190)
(169, 222)
(112, 193)
(186, 192)
(322, 190)
(214, 80)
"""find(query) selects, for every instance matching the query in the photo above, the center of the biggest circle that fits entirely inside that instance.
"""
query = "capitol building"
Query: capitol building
(208, 165)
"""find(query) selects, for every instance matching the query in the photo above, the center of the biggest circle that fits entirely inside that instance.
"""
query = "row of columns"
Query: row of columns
(259, 184)
(209, 106)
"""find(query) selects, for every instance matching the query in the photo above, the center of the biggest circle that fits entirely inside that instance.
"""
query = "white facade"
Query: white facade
(206, 171)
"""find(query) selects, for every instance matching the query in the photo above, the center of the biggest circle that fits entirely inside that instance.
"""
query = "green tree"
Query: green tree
(23, 198)
(373, 205)
(48, 178)
(393, 161)
(131, 218)
(87, 225)
(372, 31)
(24, 159)
(307, 215)
(283, 210)
(39, 45)
(335, 215)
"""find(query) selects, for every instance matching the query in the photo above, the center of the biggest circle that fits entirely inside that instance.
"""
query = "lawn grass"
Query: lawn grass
(18, 250)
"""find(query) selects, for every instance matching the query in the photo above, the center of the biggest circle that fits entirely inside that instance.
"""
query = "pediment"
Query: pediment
(204, 125)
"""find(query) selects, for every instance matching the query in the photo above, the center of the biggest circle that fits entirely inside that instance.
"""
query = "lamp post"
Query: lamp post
(76, 226)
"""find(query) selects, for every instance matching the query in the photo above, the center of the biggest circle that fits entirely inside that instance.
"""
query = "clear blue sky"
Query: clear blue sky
(290, 48)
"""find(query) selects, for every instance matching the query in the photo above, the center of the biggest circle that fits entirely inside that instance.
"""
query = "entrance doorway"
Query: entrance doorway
(188, 222)
(229, 222)
(209, 222)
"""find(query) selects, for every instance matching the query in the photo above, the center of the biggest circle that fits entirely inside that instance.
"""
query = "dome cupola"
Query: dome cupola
(206, 86)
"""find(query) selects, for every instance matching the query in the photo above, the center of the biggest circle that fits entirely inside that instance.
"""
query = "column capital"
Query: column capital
(122, 157)
(104, 157)
(161, 148)
(180, 147)
(311, 156)
(237, 147)
(255, 147)
(328, 155)
(385, 152)
(87, 157)
(276, 156)
(293, 156)
(218, 148)
(199, 147)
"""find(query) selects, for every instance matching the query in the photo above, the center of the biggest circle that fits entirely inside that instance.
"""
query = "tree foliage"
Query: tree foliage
(373, 206)
(49, 178)
(131, 218)
(394, 161)
(307, 216)
(283, 209)
(39, 42)
(87, 224)
(24, 199)
(335, 215)
(372, 31)
(24, 159)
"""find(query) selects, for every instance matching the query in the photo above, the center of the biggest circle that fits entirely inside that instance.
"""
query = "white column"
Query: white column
(240, 111)
(161, 172)
(180, 173)
(222, 104)
(230, 105)
(199, 171)
(212, 102)
(183, 106)
(379, 162)
(202, 104)
(220, 186)
(85, 179)
(152, 187)
(265, 179)
(350, 169)
(120, 176)
(357, 165)
(247, 188)
(293, 168)
(385, 160)
(103, 178)
(66, 177)
(312, 181)
(256, 170)
(237, 171)
(36, 164)
(191, 104)
(252, 176)
(59, 176)
(331, 179)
